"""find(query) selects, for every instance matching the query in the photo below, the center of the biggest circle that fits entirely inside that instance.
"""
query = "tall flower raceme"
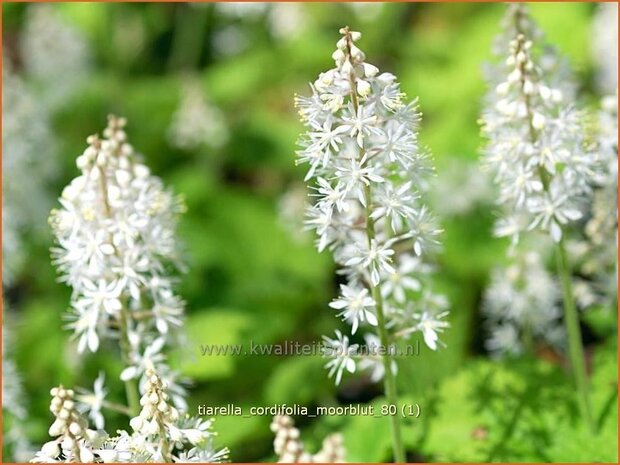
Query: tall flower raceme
(544, 167)
(367, 174)
(599, 268)
(116, 246)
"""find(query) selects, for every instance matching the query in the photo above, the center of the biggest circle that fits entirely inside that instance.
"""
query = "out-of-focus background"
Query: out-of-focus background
(208, 92)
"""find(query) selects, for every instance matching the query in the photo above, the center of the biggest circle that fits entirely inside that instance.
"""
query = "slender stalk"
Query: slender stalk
(575, 344)
(389, 381)
(164, 444)
(528, 339)
(571, 318)
(189, 30)
(389, 378)
(117, 408)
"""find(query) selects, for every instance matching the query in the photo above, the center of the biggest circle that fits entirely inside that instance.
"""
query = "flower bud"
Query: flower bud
(51, 449)
(363, 88)
(538, 121)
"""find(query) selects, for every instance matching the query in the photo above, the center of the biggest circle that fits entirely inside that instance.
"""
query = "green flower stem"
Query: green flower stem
(571, 318)
(575, 344)
(389, 378)
(389, 381)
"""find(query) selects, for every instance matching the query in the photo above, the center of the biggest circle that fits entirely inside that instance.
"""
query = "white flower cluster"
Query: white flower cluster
(115, 235)
(197, 122)
(73, 440)
(368, 172)
(553, 65)
(14, 414)
(162, 429)
(605, 45)
(26, 135)
(537, 148)
(161, 433)
(289, 448)
(55, 55)
(521, 306)
(601, 229)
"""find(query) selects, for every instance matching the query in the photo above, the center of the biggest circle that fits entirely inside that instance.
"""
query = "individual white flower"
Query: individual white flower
(372, 362)
(423, 230)
(356, 306)
(205, 453)
(431, 326)
(355, 174)
(331, 196)
(374, 257)
(341, 353)
(360, 123)
(405, 278)
(92, 402)
(551, 211)
(396, 204)
(399, 143)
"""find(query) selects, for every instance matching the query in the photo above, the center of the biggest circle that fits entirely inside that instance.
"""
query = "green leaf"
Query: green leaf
(218, 328)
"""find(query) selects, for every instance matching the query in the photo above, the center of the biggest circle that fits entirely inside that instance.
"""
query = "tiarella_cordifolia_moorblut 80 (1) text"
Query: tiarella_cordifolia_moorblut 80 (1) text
(542, 161)
(367, 175)
(116, 241)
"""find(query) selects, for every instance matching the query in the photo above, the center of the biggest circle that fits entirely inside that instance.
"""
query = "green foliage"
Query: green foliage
(524, 411)
(249, 278)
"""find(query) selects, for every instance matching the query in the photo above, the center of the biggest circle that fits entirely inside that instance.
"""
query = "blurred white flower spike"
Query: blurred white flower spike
(368, 177)
(537, 147)
(545, 166)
